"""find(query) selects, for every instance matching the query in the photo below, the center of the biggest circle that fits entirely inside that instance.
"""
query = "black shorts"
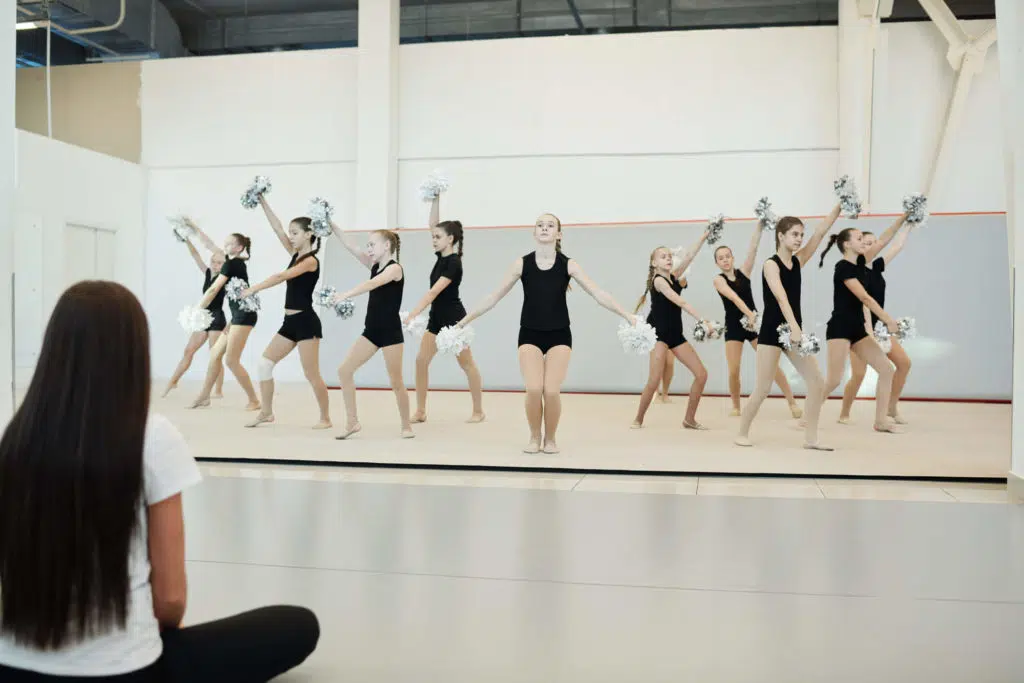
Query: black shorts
(769, 334)
(671, 338)
(739, 333)
(383, 338)
(244, 318)
(852, 332)
(545, 340)
(219, 321)
(439, 319)
(301, 326)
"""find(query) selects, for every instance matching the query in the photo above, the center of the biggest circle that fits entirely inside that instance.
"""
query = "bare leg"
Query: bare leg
(666, 378)
(654, 377)
(393, 363)
(898, 355)
(556, 365)
(734, 357)
(362, 350)
(237, 338)
(787, 391)
(195, 342)
(872, 354)
(808, 368)
(218, 385)
(687, 355)
(767, 365)
(531, 365)
(309, 354)
(476, 384)
(428, 349)
(858, 368)
(276, 350)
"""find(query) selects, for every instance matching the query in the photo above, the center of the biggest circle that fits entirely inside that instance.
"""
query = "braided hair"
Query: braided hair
(650, 281)
(394, 240)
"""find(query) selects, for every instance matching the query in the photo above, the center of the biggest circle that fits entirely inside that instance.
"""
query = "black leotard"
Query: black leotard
(216, 307)
(665, 317)
(232, 268)
(874, 282)
(544, 322)
(847, 321)
(734, 330)
(772, 316)
(298, 294)
(383, 326)
(447, 308)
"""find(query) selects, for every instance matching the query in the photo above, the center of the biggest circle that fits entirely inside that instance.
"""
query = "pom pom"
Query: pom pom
(706, 330)
(882, 336)
(916, 208)
(182, 230)
(324, 297)
(906, 328)
(766, 218)
(453, 340)
(259, 187)
(715, 227)
(195, 319)
(344, 309)
(434, 184)
(808, 345)
(320, 212)
(234, 287)
(637, 339)
(751, 325)
(417, 326)
(849, 199)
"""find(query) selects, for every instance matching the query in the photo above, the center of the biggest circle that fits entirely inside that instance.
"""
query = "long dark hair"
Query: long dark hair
(454, 230)
(246, 245)
(840, 239)
(306, 225)
(71, 471)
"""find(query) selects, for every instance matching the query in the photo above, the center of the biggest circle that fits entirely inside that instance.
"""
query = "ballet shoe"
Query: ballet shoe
(418, 418)
(218, 396)
(887, 428)
(169, 389)
(407, 433)
(323, 424)
(844, 420)
(252, 405)
(637, 424)
(696, 426)
(664, 398)
(897, 418)
(735, 412)
(817, 447)
(200, 403)
(796, 411)
(349, 431)
(476, 418)
(260, 419)
(532, 447)
(743, 441)
(551, 448)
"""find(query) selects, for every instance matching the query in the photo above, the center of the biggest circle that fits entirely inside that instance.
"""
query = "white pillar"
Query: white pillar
(1010, 25)
(377, 146)
(857, 39)
(7, 180)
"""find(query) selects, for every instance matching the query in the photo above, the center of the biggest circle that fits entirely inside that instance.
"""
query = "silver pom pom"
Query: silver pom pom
(324, 297)
(808, 345)
(883, 337)
(345, 309)
(849, 199)
(715, 226)
(916, 208)
(417, 326)
(234, 288)
(182, 230)
(637, 339)
(434, 184)
(320, 212)
(766, 218)
(195, 319)
(259, 187)
(906, 328)
(751, 325)
(453, 340)
(707, 330)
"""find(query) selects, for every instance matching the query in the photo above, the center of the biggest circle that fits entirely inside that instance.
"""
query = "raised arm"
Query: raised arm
(196, 256)
(805, 254)
(435, 212)
(211, 292)
(854, 285)
(600, 296)
(687, 258)
(352, 246)
(771, 274)
(204, 239)
(275, 223)
(305, 266)
(663, 287)
(898, 244)
(755, 241)
(884, 239)
(514, 273)
(429, 297)
(727, 291)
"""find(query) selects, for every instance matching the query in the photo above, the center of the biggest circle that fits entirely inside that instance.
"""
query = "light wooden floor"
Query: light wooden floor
(943, 440)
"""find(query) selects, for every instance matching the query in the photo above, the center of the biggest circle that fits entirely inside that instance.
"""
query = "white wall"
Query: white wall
(60, 184)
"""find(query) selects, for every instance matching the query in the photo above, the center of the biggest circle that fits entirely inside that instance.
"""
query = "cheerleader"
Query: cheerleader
(216, 308)
(780, 282)
(679, 273)
(545, 336)
(448, 241)
(666, 303)
(383, 326)
(229, 347)
(733, 286)
(874, 283)
(301, 327)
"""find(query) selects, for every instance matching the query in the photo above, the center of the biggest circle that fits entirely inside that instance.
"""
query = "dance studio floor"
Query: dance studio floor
(943, 440)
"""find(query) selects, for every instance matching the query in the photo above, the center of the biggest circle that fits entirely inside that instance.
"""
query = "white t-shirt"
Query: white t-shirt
(168, 469)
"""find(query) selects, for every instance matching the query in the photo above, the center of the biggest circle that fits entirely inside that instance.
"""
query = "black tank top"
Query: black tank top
(733, 316)
(665, 316)
(385, 301)
(450, 267)
(544, 294)
(232, 268)
(847, 309)
(298, 293)
(218, 300)
(874, 281)
(772, 316)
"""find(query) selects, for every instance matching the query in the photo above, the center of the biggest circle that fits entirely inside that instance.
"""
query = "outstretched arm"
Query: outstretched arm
(204, 239)
(389, 274)
(755, 241)
(305, 266)
(805, 254)
(663, 287)
(771, 274)
(275, 223)
(429, 297)
(726, 291)
(351, 245)
(600, 296)
(514, 273)
(211, 292)
(884, 239)
(195, 256)
(854, 285)
(898, 244)
(688, 257)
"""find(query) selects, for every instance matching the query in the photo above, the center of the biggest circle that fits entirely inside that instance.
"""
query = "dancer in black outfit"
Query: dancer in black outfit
(734, 287)
(448, 241)
(301, 327)
(679, 273)
(545, 336)
(212, 333)
(383, 327)
(665, 317)
(780, 280)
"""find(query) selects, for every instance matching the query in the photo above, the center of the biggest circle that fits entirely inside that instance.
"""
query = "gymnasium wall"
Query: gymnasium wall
(615, 130)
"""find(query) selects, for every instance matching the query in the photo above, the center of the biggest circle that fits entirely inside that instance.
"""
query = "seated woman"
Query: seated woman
(92, 550)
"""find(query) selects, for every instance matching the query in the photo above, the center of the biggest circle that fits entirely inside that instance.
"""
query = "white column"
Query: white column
(377, 147)
(858, 33)
(1010, 25)
(7, 180)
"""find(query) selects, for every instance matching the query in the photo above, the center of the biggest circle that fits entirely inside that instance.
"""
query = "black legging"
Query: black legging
(252, 647)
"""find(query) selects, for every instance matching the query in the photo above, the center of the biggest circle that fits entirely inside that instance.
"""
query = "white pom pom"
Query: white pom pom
(751, 325)
(453, 340)
(906, 328)
(766, 218)
(234, 287)
(808, 345)
(916, 208)
(677, 258)
(259, 187)
(434, 184)
(637, 339)
(417, 326)
(195, 319)
(320, 212)
(182, 230)
(715, 227)
(849, 199)
(882, 336)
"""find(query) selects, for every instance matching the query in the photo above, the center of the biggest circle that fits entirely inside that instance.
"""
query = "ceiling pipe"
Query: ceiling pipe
(99, 29)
